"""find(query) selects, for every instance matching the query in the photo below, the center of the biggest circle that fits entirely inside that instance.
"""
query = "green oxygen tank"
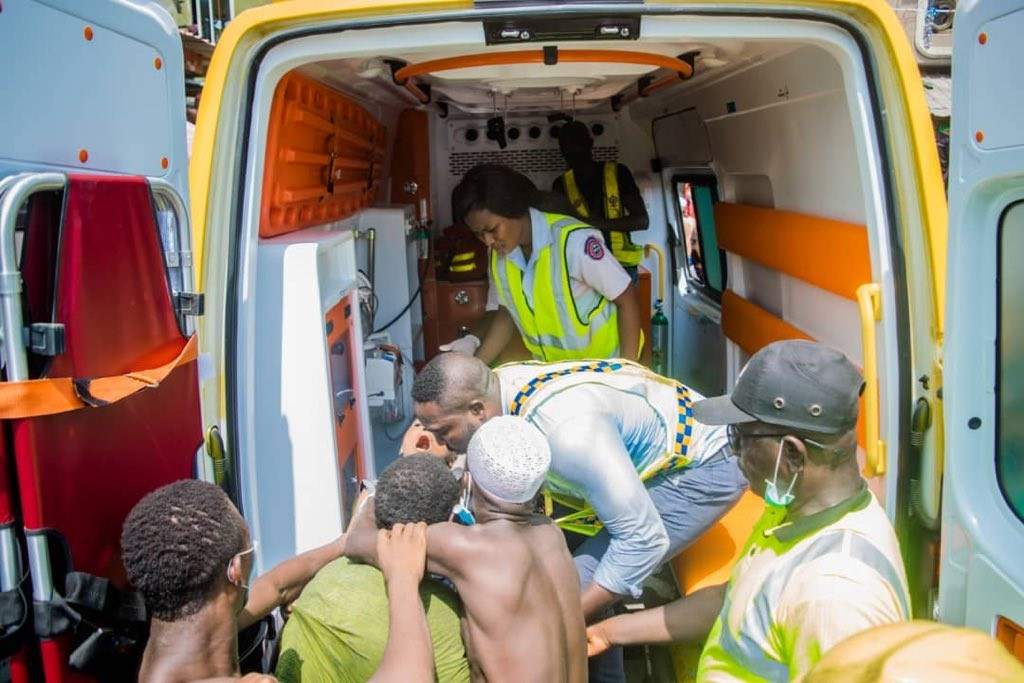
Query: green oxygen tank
(659, 340)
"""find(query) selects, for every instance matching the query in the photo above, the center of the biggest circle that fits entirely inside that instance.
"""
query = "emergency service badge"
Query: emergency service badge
(594, 248)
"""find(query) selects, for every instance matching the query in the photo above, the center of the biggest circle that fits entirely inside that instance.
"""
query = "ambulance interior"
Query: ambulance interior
(756, 145)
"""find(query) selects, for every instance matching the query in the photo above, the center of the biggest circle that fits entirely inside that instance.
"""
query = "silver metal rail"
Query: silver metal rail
(17, 191)
(10, 558)
(162, 189)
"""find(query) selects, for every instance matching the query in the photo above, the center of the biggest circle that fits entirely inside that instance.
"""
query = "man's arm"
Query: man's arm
(449, 546)
(590, 453)
(686, 620)
(629, 324)
(409, 653)
(282, 584)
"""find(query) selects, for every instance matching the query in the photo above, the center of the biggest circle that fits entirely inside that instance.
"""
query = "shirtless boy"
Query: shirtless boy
(515, 576)
(187, 550)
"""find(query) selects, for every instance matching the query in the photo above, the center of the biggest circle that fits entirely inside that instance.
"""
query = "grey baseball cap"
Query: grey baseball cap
(799, 384)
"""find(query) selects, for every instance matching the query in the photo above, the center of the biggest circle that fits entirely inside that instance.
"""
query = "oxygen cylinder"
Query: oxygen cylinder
(659, 340)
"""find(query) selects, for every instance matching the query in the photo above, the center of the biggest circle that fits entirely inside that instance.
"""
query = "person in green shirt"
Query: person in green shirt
(338, 627)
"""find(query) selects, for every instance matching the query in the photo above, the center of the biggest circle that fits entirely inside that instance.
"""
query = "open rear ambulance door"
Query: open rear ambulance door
(982, 572)
(99, 402)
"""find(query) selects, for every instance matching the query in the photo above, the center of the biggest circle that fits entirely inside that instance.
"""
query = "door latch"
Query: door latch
(45, 339)
(189, 303)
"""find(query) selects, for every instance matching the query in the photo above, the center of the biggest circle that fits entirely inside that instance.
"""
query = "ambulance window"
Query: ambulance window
(695, 198)
(1010, 372)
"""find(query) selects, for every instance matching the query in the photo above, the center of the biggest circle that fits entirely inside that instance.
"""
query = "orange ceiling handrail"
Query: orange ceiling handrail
(657, 85)
(416, 92)
(409, 71)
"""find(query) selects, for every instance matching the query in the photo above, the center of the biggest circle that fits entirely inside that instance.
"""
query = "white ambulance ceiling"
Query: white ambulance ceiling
(537, 87)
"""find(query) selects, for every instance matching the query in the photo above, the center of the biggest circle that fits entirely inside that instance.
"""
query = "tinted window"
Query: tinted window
(1010, 432)
(694, 203)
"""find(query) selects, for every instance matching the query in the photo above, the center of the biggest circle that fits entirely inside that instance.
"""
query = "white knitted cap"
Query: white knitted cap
(508, 458)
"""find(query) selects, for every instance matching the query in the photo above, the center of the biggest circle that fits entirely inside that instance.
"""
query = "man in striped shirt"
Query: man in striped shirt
(822, 563)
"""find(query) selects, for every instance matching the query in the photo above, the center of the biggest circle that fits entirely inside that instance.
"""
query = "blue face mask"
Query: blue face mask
(462, 513)
(771, 492)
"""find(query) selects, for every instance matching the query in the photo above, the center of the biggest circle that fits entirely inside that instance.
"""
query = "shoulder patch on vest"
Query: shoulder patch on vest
(594, 248)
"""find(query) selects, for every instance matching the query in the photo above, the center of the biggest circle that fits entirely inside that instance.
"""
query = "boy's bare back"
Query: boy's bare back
(520, 590)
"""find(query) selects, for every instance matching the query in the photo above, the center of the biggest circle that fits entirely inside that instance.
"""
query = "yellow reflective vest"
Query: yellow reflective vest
(623, 249)
(553, 329)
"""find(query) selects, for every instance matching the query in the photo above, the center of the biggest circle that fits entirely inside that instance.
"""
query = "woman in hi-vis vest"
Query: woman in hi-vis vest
(551, 275)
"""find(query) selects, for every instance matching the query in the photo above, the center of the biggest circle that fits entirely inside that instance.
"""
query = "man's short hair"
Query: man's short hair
(451, 380)
(430, 383)
(176, 545)
(416, 488)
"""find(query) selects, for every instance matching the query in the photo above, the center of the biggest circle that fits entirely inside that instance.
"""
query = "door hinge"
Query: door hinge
(45, 339)
(189, 303)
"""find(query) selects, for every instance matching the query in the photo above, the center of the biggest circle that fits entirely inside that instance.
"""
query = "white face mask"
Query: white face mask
(242, 583)
(771, 492)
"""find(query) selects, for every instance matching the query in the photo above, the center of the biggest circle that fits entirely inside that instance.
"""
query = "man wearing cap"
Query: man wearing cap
(822, 563)
(622, 438)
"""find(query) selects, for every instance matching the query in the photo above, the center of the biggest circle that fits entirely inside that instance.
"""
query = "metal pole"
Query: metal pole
(164, 190)
(10, 276)
(17, 193)
(10, 558)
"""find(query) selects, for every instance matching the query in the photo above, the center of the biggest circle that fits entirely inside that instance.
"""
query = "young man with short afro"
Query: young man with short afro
(186, 548)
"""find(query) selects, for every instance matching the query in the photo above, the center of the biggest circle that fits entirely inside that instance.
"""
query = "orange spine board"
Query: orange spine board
(325, 156)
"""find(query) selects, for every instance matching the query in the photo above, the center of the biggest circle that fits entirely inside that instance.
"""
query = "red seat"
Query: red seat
(79, 473)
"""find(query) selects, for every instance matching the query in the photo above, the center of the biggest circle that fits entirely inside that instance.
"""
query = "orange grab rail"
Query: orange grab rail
(537, 57)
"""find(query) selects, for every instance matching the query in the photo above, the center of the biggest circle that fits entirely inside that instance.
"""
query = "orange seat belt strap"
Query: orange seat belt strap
(38, 397)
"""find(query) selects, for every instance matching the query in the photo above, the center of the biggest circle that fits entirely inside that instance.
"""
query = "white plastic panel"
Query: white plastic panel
(293, 483)
(996, 98)
(64, 94)
(681, 138)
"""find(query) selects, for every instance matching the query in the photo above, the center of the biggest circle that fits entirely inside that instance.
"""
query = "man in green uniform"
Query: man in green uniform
(338, 627)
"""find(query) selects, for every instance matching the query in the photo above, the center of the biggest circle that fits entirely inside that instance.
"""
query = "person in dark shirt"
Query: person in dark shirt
(604, 193)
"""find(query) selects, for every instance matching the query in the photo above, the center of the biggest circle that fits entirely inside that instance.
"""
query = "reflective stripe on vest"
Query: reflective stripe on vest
(627, 253)
(553, 329)
(745, 650)
(674, 458)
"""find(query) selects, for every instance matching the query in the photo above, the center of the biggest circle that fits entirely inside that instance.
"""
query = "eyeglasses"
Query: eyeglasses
(736, 438)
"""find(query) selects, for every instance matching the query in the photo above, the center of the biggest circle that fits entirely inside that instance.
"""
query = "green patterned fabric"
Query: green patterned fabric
(339, 627)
